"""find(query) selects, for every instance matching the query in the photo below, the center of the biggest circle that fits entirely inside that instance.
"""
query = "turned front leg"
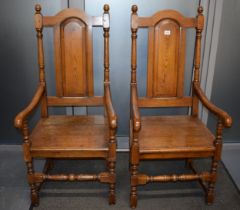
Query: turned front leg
(29, 164)
(111, 166)
(134, 158)
(216, 158)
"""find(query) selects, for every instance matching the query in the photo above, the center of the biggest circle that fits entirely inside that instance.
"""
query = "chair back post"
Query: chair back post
(197, 57)
(134, 46)
(106, 26)
(134, 29)
(39, 27)
(134, 147)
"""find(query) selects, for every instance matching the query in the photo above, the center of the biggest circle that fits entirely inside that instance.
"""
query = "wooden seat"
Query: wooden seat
(63, 136)
(174, 134)
(177, 136)
(70, 136)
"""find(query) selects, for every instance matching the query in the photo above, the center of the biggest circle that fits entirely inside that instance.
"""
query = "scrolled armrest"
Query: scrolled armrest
(112, 117)
(19, 119)
(227, 120)
(135, 111)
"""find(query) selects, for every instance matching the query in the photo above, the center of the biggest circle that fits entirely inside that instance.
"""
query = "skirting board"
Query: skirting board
(122, 143)
(10, 147)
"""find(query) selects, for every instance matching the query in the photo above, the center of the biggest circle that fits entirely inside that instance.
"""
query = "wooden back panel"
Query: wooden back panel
(73, 58)
(73, 53)
(73, 49)
(166, 55)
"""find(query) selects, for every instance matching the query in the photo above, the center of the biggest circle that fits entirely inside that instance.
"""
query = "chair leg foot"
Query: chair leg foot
(133, 197)
(112, 195)
(133, 200)
(34, 187)
(34, 196)
(210, 197)
(112, 192)
(133, 194)
(211, 184)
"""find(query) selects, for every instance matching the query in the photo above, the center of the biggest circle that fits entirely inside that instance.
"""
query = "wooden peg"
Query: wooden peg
(106, 8)
(200, 10)
(134, 9)
(38, 8)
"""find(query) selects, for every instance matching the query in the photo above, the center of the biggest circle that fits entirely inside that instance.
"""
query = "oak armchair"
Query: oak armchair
(177, 136)
(63, 136)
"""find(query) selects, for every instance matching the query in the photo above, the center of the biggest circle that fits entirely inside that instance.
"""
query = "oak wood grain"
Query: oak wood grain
(174, 134)
(166, 59)
(71, 137)
(66, 134)
(165, 102)
(171, 137)
(75, 101)
(185, 22)
(112, 117)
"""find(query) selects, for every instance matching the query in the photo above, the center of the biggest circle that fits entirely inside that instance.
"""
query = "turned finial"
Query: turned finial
(200, 10)
(134, 9)
(38, 8)
(106, 7)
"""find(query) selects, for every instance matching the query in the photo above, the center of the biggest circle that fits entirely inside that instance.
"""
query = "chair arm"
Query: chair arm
(227, 120)
(19, 119)
(135, 111)
(111, 115)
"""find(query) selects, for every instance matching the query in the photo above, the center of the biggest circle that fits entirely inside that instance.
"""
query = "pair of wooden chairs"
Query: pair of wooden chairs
(151, 137)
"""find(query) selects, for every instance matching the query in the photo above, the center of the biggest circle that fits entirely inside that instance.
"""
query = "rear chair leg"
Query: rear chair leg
(49, 164)
(188, 163)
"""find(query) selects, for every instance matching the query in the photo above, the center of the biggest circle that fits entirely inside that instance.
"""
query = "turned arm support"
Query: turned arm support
(136, 119)
(19, 119)
(111, 115)
(227, 120)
